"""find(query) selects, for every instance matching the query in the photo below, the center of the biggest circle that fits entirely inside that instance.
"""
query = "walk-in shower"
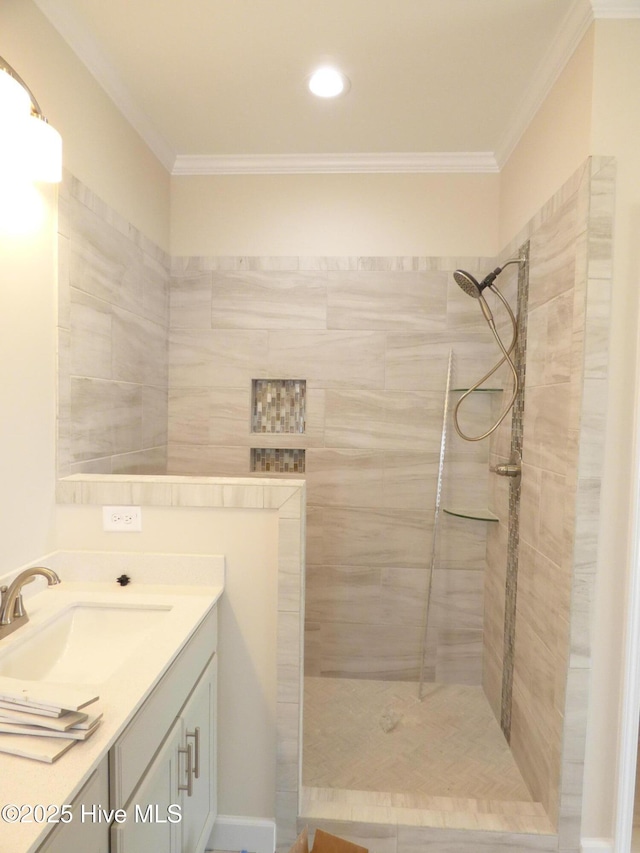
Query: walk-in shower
(474, 288)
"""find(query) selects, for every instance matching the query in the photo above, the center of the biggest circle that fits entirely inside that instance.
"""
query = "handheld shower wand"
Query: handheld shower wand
(474, 288)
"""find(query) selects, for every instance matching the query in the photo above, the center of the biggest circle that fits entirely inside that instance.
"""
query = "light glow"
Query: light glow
(15, 102)
(328, 82)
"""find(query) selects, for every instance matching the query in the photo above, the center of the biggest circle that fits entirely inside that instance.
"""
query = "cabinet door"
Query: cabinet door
(199, 729)
(86, 831)
(150, 824)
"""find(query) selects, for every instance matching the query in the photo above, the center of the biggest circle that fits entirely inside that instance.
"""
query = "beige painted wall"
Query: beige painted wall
(27, 386)
(247, 629)
(343, 215)
(593, 109)
(615, 131)
(99, 146)
(554, 145)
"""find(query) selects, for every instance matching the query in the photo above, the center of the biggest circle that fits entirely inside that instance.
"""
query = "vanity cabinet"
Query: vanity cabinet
(172, 809)
(82, 832)
(162, 768)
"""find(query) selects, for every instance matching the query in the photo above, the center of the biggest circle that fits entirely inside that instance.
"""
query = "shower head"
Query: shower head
(468, 283)
(474, 288)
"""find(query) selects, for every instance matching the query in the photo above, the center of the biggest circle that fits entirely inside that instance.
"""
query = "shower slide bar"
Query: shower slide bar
(443, 448)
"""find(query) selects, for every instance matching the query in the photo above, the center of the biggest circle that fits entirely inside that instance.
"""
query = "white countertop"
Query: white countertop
(28, 782)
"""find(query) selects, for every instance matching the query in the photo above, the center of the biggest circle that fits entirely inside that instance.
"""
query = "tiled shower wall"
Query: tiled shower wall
(371, 337)
(564, 404)
(112, 352)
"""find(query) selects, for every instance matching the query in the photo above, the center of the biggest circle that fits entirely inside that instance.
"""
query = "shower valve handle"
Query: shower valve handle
(506, 470)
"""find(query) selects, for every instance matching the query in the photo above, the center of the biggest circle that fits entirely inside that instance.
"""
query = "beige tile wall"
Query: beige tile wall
(565, 396)
(372, 338)
(113, 347)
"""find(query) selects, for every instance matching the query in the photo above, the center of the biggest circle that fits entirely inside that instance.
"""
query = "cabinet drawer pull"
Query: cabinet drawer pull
(196, 735)
(189, 786)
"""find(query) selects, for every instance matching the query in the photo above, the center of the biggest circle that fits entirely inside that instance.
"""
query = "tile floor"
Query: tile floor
(374, 747)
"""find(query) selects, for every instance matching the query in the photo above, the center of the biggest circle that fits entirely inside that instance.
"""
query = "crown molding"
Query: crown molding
(616, 8)
(297, 164)
(575, 24)
(88, 51)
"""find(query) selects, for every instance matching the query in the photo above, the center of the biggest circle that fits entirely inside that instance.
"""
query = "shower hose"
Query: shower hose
(506, 356)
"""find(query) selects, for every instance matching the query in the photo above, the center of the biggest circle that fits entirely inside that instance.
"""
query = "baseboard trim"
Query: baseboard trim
(236, 832)
(596, 845)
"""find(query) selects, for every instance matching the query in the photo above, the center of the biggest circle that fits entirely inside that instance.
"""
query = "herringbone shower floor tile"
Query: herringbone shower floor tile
(377, 736)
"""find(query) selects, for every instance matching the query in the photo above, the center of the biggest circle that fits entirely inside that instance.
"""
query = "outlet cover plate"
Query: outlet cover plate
(127, 519)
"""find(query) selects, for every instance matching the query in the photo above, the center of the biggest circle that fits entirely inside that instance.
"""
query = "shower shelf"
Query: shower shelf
(486, 390)
(475, 514)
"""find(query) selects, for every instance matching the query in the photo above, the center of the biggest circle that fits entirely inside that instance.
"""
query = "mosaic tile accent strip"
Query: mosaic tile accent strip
(270, 460)
(278, 405)
(517, 428)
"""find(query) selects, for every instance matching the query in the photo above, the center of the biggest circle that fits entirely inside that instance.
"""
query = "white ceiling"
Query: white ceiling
(208, 80)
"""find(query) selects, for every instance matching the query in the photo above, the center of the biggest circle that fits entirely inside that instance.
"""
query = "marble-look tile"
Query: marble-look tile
(155, 414)
(91, 417)
(457, 600)
(375, 537)
(461, 543)
(139, 349)
(216, 358)
(413, 362)
(90, 336)
(189, 413)
(597, 329)
(344, 477)
(269, 300)
(190, 302)
(290, 558)
(229, 416)
(592, 427)
(370, 651)
(312, 649)
(552, 256)
(382, 420)
(288, 734)
(143, 462)
(288, 660)
(542, 511)
(543, 595)
(286, 812)
(207, 460)
(329, 359)
(343, 594)
(433, 840)
(549, 341)
(409, 480)
(403, 595)
(126, 417)
(103, 262)
(459, 657)
(601, 218)
(386, 301)
(545, 427)
(155, 292)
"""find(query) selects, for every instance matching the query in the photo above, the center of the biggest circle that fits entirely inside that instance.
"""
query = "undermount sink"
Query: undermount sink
(84, 644)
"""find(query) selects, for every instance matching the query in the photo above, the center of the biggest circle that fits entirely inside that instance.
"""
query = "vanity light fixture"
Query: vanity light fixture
(328, 82)
(29, 147)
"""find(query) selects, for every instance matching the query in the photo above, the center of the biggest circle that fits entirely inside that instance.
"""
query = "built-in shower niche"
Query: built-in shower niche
(274, 460)
(278, 407)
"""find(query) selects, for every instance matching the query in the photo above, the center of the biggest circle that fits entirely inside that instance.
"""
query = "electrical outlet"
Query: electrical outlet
(123, 518)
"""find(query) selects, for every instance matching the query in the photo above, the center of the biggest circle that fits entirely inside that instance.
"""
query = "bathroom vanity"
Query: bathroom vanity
(145, 780)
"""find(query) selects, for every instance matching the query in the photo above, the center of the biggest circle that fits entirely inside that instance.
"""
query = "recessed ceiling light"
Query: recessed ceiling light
(328, 82)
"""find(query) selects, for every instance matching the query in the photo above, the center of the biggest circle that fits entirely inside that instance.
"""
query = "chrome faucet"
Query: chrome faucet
(12, 612)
